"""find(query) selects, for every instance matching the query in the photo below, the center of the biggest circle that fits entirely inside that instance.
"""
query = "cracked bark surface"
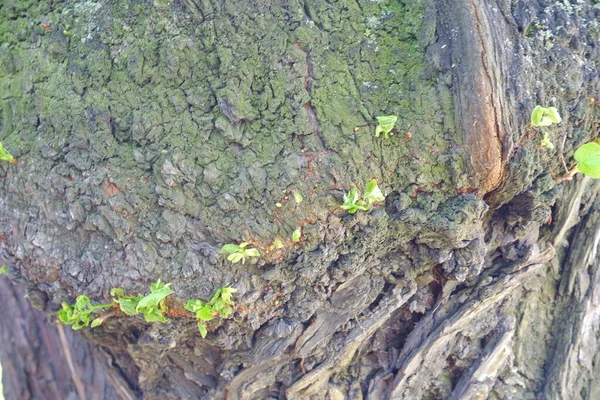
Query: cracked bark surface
(150, 133)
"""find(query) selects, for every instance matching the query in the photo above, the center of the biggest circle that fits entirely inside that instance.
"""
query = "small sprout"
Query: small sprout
(220, 304)
(385, 125)
(78, 314)
(127, 304)
(202, 329)
(278, 205)
(373, 193)
(151, 306)
(547, 143)
(238, 252)
(4, 270)
(278, 244)
(541, 116)
(298, 197)
(6, 156)
(353, 202)
(97, 322)
(588, 160)
(66, 33)
(296, 235)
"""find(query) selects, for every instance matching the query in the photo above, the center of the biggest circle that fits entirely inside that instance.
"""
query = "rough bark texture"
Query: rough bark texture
(150, 133)
(41, 361)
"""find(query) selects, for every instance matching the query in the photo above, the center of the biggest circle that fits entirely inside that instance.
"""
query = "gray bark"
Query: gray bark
(150, 133)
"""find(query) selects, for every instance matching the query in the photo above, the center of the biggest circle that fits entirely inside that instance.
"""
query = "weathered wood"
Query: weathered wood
(42, 361)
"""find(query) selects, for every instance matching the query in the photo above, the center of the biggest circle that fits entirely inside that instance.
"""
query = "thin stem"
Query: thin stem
(562, 157)
(102, 306)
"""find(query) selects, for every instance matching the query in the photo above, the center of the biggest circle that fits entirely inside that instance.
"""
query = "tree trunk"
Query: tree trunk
(150, 133)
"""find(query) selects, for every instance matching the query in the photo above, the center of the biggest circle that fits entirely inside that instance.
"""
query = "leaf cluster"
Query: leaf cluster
(353, 201)
(385, 124)
(78, 314)
(239, 252)
(220, 304)
(151, 305)
(5, 155)
(541, 116)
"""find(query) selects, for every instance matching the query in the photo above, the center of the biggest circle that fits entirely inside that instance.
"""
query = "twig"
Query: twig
(74, 376)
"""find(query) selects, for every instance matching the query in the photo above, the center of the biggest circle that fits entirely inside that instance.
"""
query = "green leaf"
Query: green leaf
(251, 253)
(97, 322)
(235, 257)
(193, 305)
(296, 235)
(243, 245)
(230, 249)
(114, 292)
(278, 244)
(298, 197)
(5, 155)
(129, 304)
(153, 314)
(547, 143)
(536, 115)
(373, 194)
(205, 313)
(541, 116)
(202, 329)
(82, 302)
(553, 114)
(385, 125)
(4, 270)
(226, 294)
(158, 292)
(588, 157)
(350, 198)
(372, 185)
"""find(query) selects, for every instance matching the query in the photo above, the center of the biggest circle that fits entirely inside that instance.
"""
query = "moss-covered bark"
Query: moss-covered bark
(150, 133)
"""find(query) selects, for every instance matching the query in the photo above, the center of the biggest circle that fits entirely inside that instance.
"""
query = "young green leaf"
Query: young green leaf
(230, 249)
(296, 235)
(226, 293)
(536, 115)
(5, 155)
(235, 257)
(193, 305)
(251, 253)
(298, 197)
(278, 244)
(553, 115)
(547, 143)
(149, 303)
(541, 116)
(97, 322)
(205, 313)
(4, 270)
(385, 125)
(129, 304)
(202, 329)
(373, 194)
(588, 157)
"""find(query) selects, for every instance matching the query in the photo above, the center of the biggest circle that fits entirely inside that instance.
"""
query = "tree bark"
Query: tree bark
(42, 361)
(150, 133)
